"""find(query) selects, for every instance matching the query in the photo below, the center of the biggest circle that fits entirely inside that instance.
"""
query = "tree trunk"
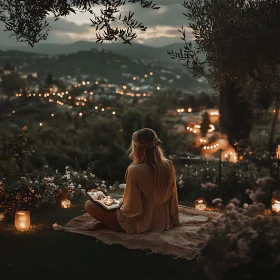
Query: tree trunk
(272, 131)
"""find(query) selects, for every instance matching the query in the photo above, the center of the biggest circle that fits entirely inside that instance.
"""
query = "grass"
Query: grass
(42, 253)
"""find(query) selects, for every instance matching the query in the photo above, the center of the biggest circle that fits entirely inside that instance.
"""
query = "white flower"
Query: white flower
(56, 171)
(92, 175)
(66, 167)
(111, 188)
(67, 176)
(85, 176)
(103, 182)
(245, 205)
(75, 173)
(79, 186)
(122, 186)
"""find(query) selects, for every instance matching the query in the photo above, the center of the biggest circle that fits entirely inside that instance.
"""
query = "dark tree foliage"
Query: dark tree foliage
(236, 114)
(204, 126)
(49, 79)
(27, 19)
(235, 40)
(263, 98)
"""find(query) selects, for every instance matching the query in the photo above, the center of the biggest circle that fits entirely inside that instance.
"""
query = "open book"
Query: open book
(105, 201)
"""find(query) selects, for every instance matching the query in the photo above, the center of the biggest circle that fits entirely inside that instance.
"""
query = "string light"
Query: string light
(211, 147)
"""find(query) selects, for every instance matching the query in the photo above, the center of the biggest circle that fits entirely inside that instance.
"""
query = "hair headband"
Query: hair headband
(156, 142)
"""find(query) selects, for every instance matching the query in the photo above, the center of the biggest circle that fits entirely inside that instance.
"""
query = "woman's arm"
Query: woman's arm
(132, 206)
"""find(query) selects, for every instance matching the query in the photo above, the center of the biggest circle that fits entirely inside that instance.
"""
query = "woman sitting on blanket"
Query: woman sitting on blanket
(150, 201)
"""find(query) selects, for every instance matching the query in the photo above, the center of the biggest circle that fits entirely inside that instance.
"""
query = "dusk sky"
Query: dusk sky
(162, 25)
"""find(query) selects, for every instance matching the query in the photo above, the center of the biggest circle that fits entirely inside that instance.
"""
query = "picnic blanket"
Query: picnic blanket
(179, 242)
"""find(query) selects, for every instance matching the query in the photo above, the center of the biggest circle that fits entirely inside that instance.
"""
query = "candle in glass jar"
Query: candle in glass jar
(2, 216)
(22, 220)
(65, 203)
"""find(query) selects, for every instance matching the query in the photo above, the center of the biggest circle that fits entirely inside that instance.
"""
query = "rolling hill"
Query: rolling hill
(135, 51)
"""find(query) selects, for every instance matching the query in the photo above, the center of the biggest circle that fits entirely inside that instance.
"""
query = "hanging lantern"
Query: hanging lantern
(22, 220)
(65, 203)
(275, 205)
(200, 204)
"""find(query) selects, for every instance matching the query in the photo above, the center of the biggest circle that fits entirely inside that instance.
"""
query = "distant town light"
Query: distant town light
(102, 109)
(114, 113)
(52, 115)
(158, 88)
(134, 78)
(40, 124)
(151, 73)
(124, 87)
(96, 107)
(80, 114)
(145, 75)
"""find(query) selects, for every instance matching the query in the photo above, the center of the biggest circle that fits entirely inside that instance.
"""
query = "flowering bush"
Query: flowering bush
(20, 195)
(241, 244)
(201, 180)
(30, 193)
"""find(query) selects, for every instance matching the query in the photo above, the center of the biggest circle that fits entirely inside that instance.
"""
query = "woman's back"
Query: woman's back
(147, 206)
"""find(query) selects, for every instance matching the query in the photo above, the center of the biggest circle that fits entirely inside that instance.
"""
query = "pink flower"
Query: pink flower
(208, 186)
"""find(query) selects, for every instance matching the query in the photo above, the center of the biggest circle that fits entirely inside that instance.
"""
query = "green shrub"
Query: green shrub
(235, 179)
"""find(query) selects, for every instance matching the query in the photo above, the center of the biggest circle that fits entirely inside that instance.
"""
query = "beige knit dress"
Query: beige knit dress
(146, 207)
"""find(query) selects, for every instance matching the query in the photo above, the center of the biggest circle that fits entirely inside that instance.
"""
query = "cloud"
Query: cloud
(158, 41)
(163, 25)
(64, 25)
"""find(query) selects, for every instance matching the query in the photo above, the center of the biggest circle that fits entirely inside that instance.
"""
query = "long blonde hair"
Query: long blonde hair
(145, 148)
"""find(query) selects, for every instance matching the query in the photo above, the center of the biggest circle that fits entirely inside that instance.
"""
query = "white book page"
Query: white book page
(99, 196)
